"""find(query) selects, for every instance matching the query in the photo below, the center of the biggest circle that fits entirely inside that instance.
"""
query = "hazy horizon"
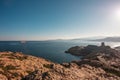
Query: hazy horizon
(79, 38)
(58, 19)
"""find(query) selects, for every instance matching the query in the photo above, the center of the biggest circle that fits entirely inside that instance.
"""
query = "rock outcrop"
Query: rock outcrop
(99, 56)
(73, 72)
(92, 51)
(18, 66)
(15, 66)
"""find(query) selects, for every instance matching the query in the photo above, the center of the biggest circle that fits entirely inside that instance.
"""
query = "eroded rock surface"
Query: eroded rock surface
(17, 66)
(102, 56)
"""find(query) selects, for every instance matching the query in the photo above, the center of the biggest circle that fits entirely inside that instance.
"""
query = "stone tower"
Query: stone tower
(102, 44)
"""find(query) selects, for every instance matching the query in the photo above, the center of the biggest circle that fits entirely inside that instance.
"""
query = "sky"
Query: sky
(58, 19)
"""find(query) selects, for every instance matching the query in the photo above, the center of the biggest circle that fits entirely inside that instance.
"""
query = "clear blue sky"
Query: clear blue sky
(58, 19)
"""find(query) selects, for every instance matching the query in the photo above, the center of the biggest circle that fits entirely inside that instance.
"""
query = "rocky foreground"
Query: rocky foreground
(17, 66)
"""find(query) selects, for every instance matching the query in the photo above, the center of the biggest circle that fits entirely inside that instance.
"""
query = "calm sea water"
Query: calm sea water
(51, 50)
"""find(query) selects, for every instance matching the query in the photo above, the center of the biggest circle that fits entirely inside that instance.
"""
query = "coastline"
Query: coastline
(18, 66)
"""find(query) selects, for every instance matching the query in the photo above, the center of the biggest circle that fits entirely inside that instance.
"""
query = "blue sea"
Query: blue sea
(50, 50)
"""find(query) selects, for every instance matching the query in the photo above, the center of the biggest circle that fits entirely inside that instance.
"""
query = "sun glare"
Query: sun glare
(117, 14)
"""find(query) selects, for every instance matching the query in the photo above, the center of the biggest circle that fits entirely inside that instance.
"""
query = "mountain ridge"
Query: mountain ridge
(109, 39)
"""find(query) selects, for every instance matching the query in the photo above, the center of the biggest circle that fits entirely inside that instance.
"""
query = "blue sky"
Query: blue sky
(58, 19)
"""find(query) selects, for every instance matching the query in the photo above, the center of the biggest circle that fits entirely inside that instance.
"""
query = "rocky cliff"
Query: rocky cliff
(17, 66)
(98, 56)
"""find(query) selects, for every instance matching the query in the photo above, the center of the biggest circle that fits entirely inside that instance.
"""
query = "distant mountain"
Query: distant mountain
(89, 38)
(78, 39)
(109, 39)
(97, 38)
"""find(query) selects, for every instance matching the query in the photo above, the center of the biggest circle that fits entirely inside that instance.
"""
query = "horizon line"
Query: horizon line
(61, 38)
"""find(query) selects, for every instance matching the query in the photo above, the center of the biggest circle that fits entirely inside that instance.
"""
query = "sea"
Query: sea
(50, 50)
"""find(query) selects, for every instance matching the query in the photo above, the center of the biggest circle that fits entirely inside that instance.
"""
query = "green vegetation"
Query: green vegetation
(29, 72)
(112, 71)
(21, 57)
(15, 74)
(48, 66)
(9, 67)
(11, 57)
(14, 56)
(6, 70)
(44, 75)
(2, 55)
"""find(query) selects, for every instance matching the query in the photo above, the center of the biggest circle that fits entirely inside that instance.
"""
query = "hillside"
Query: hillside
(17, 66)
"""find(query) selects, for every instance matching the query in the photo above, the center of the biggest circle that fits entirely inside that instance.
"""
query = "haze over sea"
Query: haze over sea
(51, 50)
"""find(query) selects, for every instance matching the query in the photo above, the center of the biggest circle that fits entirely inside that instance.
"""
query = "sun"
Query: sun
(118, 12)
(114, 16)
